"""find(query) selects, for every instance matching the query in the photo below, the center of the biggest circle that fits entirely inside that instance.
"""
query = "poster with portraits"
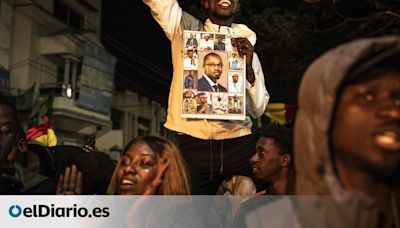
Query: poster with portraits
(214, 77)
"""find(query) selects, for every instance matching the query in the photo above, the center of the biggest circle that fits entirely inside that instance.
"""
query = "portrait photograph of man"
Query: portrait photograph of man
(212, 74)
(219, 43)
(189, 104)
(235, 82)
(204, 105)
(235, 61)
(219, 103)
(190, 79)
(235, 104)
(190, 61)
(191, 41)
(206, 42)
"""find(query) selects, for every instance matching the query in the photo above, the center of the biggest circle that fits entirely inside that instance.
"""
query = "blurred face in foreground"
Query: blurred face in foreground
(7, 129)
(137, 170)
(366, 129)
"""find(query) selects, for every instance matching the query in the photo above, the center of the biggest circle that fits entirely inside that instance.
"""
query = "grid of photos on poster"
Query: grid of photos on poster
(213, 77)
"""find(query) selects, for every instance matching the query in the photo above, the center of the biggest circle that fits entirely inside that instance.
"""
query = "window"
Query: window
(144, 126)
(67, 15)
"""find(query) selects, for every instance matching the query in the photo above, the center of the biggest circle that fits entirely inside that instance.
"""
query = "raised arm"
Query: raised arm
(168, 14)
(257, 94)
(171, 18)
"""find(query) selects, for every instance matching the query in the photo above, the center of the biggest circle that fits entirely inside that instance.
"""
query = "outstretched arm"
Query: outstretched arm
(168, 14)
(172, 19)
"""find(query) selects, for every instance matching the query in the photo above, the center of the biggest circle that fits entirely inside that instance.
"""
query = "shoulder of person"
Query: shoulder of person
(190, 22)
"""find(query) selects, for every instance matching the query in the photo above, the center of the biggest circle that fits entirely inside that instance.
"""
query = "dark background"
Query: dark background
(290, 35)
(144, 55)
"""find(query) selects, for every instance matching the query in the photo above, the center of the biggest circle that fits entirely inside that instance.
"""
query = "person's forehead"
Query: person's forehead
(6, 112)
(140, 148)
(213, 58)
(391, 77)
(266, 142)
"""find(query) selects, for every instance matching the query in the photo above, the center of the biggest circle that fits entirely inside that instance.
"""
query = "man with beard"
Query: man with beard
(347, 136)
(215, 150)
(212, 72)
(347, 142)
(235, 86)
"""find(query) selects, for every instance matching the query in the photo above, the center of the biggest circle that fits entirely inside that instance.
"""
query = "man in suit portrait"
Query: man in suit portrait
(212, 72)
(219, 45)
(191, 42)
(189, 80)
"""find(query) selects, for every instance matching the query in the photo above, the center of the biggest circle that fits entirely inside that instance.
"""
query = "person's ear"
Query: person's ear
(286, 160)
(206, 4)
(22, 145)
(238, 7)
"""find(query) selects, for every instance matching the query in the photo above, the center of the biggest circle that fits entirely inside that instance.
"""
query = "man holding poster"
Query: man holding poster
(215, 150)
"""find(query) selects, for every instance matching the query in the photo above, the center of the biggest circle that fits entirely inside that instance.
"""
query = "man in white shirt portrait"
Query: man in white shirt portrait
(190, 60)
(206, 43)
(235, 84)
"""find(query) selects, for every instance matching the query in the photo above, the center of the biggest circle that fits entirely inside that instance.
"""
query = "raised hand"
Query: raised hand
(162, 166)
(90, 149)
(245, 48)
(70, 183)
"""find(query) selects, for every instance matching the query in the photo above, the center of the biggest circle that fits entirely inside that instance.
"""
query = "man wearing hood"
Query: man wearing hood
(347, 136)
(347, 143)
(215, 150)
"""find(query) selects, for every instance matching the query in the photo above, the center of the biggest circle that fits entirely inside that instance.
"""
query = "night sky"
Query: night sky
(143, 51)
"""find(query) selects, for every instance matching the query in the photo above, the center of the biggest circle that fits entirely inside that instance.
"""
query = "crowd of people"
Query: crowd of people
(345, 142)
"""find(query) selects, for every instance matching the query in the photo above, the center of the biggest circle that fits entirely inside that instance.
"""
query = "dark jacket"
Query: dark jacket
(203, 85)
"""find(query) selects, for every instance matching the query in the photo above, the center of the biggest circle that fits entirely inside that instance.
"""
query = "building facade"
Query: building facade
(53, 48)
